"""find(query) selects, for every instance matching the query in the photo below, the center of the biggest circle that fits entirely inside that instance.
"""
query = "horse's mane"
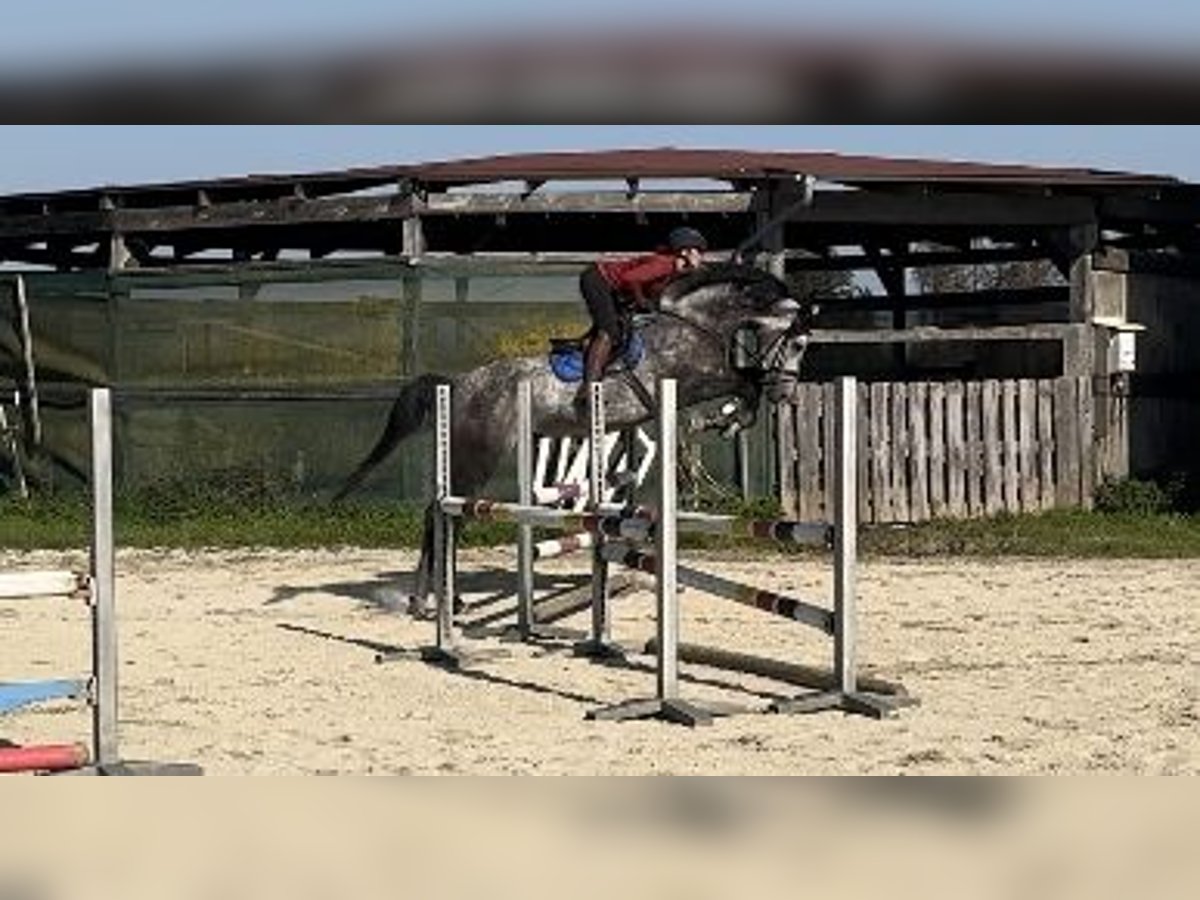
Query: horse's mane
(759, 286)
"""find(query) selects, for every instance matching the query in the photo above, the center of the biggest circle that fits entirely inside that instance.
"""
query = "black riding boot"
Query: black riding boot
(595, 361)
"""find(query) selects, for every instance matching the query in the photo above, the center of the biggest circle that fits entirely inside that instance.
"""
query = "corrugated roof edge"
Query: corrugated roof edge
(660, 163)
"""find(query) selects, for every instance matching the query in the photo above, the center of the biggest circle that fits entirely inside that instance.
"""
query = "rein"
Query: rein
(769, 364)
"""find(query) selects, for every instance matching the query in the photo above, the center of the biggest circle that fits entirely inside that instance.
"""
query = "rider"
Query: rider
(615, 286)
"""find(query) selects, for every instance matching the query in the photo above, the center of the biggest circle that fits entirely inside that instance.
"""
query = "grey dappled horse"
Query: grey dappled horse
(724, 331)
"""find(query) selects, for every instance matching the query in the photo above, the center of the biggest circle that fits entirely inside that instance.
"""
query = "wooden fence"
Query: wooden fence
(945, 449)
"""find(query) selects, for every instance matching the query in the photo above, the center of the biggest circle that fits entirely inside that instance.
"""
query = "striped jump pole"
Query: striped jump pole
(556, 548)
(557, 493)
(45, 758)
(614, 521)
(767, 601)
(666, 704)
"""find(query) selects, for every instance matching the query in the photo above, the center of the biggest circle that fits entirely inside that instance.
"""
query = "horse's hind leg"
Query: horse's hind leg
(418, 604)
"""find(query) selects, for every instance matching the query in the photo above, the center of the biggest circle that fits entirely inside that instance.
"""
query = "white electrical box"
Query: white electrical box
(1124, 352)
(1122, 345)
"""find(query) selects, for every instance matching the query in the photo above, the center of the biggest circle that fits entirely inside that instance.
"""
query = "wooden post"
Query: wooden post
(32, 408)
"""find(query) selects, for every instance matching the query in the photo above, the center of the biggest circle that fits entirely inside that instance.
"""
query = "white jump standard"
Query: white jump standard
(843, 692)
(620, 533)
(666, 704)
(98, 589)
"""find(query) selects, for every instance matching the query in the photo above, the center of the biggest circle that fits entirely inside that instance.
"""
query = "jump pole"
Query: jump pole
(666, 705)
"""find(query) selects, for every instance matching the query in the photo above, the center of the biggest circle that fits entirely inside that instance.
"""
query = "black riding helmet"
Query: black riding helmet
(686, 239)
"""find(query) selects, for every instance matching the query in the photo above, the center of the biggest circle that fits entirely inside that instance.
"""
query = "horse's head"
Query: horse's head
(764, 328)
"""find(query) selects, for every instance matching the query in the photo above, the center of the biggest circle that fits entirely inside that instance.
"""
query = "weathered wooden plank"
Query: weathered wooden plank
(881, 491)
(937, 450)
(1066, 427)
(1087, 442)
(918, 457)
(1010, 491)
(1045, 442)
(829, 458)
(1027, 441)
(1037, 296)
(786, 448)
(956, 451)
(863, 458)
(806, 261)
(805, 444)
(801, 424)
(901, 511)
(974, 413)
(993, 450)
(805, 449)
(926, 333)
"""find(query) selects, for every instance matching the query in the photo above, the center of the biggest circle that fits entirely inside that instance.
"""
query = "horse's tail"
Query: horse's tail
(408, 415)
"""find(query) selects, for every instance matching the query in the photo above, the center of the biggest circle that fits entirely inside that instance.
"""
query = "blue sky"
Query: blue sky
(57, 157)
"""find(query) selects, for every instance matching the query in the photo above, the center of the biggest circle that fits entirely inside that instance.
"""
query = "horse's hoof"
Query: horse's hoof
(418, 609)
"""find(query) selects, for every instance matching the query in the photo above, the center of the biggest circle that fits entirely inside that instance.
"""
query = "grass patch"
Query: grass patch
(153, 519)
(1064, 533)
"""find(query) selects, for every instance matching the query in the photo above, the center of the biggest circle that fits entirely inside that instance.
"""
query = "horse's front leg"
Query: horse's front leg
(736, 415)
(745, 411)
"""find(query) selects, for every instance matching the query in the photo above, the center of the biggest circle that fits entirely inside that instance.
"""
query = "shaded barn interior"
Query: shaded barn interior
(925, 272)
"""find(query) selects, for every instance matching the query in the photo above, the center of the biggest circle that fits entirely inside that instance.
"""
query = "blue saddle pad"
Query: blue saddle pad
(566, 361)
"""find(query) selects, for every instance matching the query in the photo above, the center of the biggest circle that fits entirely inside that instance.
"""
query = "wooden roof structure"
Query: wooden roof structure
(548, 206)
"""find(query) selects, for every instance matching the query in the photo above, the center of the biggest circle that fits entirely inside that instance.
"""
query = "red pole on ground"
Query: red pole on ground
(50, 758)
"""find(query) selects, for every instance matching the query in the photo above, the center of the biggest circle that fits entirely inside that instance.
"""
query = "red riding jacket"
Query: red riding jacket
(639, 280)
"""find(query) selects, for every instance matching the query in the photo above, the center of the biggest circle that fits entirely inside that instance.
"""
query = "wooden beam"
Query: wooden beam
(927, 334)
(1178, 208)
(953, 299)
(1066, 245)
(965, 210)
(830, 207)
(37, 227)
(801, 262)
(1140, 262)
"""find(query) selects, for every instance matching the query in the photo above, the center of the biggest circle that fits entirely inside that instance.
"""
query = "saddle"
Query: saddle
(566, 354)
(566, 357)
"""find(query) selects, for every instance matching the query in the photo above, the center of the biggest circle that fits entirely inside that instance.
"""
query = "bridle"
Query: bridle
(768, 366)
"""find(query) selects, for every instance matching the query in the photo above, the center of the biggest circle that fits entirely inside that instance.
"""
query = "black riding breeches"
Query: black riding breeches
(602, 303)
